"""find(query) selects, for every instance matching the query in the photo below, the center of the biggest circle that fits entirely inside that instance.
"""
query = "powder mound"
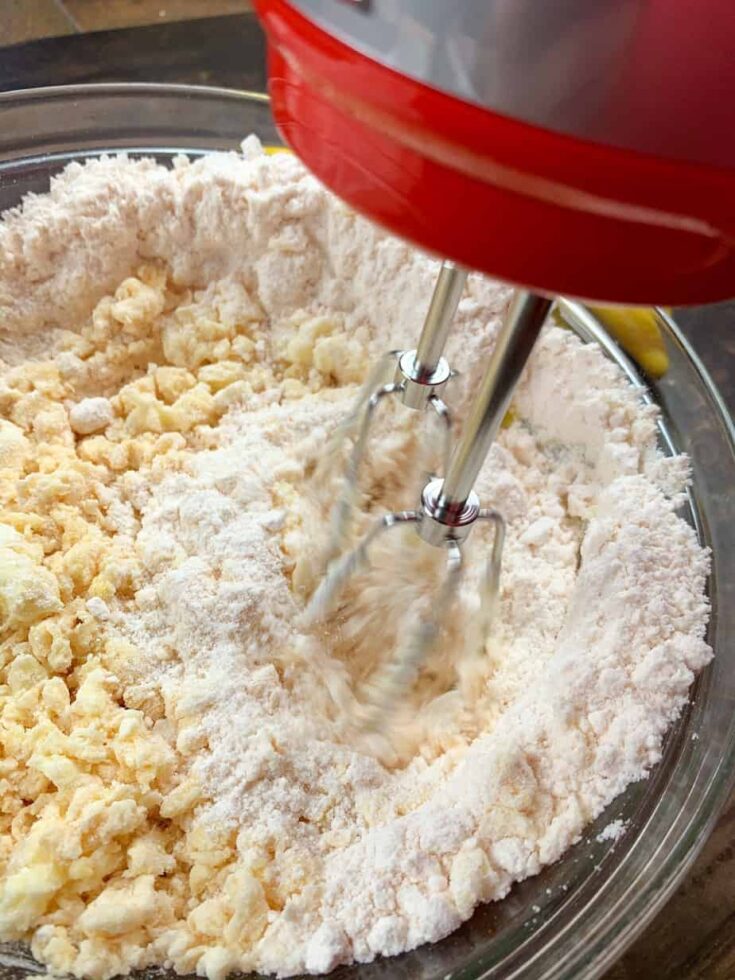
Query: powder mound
(184, 344)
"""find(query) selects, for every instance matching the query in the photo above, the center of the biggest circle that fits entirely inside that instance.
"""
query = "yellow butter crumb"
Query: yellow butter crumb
(103, 865)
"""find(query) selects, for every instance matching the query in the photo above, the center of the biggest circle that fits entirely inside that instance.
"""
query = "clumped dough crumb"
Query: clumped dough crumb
(90, 415)
(182, 781)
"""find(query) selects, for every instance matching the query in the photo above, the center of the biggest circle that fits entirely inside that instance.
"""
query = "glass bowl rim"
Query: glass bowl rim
(84, 89)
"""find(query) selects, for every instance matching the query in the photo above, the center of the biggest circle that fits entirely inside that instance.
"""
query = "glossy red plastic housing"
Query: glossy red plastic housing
(537, 208)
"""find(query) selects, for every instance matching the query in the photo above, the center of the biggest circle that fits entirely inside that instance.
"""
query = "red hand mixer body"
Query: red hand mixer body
(583, 148)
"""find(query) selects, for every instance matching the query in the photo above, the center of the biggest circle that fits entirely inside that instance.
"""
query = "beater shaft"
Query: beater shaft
(522, 325)
(444, 302)
(422, 372)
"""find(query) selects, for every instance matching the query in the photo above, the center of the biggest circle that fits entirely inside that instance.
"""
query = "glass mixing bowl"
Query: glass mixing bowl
(577, 917)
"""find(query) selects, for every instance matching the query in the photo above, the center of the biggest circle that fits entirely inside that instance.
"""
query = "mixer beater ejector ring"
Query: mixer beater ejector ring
(449, 507)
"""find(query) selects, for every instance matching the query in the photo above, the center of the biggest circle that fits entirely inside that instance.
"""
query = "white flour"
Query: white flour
(611, 832)
(591, 669)
(603, 611)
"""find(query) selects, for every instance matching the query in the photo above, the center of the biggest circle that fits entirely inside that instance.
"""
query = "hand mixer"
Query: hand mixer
(584, 147)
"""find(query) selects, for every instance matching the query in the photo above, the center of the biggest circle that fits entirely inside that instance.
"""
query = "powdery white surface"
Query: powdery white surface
(90, 415)
(586, 672)
(611, 832)
(602, 617)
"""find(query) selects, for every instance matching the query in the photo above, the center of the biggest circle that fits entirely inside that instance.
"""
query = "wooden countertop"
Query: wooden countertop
(693, 938)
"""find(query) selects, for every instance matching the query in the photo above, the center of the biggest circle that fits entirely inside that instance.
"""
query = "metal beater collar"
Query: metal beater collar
(418, 385)
(441, 523)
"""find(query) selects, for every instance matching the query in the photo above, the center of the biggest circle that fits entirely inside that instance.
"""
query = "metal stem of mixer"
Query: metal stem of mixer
(423, 371)
(444, 302)
(521, 328)
(450, 505)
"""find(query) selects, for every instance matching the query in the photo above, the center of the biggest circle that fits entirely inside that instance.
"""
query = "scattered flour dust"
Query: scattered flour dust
(202, 393)
(611, 832)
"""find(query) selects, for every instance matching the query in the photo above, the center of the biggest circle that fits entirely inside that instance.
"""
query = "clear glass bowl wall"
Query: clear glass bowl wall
(576, 918)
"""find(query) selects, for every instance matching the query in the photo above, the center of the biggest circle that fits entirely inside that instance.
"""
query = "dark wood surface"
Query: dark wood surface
(25, 20)
(98, 15)
(22, 20)
(693, 938)
(226, 51)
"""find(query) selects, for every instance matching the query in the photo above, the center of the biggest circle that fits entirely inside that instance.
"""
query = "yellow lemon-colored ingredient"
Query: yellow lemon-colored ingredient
(637, 331)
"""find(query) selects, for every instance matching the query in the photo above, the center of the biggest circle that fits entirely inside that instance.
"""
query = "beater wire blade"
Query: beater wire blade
(445, 417)
(383, 690)
(340, 570)
(382, 371)
(342, 511)
(490, 594)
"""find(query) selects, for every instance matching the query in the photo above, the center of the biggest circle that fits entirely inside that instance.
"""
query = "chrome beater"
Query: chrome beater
(419, 376)
(449, 507)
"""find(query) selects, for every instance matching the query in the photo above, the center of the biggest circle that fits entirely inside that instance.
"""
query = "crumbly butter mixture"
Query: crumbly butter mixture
(182, 780)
